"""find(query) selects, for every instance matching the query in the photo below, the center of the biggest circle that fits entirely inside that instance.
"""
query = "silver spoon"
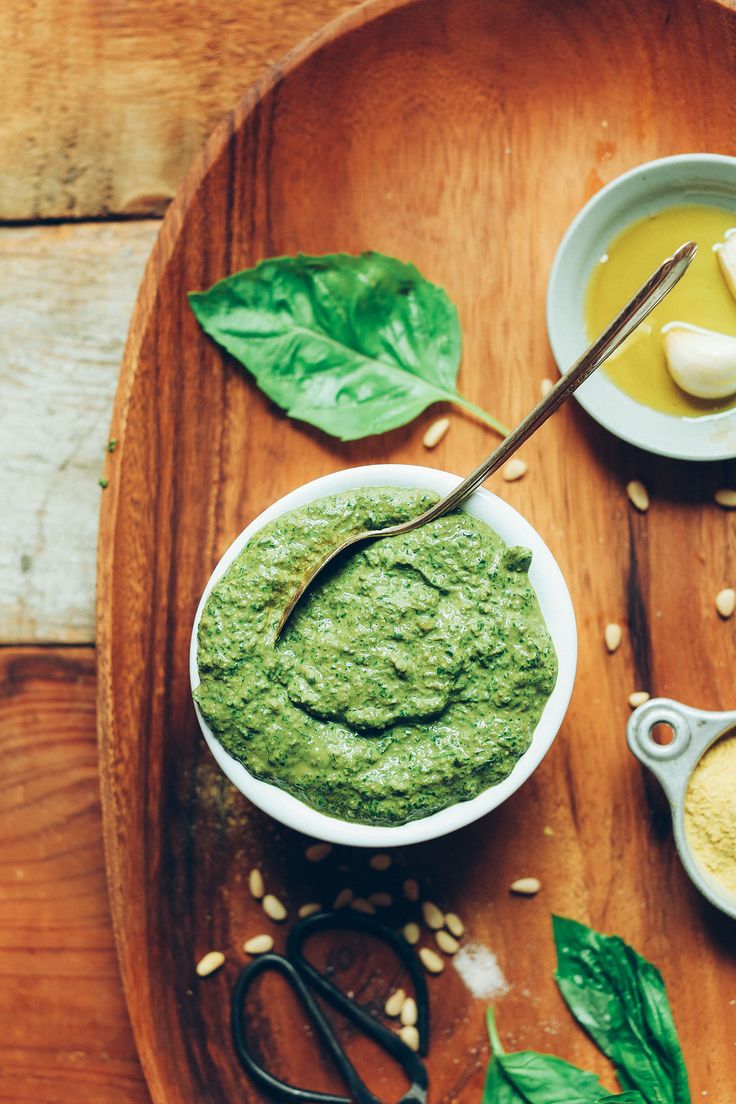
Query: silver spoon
(645, 300)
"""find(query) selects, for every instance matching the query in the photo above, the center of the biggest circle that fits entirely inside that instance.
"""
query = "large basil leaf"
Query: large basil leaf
(353, 345)
(530, 1078)
(620, 1000)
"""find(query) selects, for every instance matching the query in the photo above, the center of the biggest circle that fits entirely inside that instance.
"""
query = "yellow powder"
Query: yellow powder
(710, 812)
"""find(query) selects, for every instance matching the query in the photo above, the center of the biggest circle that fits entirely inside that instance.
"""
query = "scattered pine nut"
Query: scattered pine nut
(526, 887)
(316, 852)
(726, 498)
(273, 908)
(612, 636)
(454, 924)
(210, 962)
(726, 601)
(258, 945)
(514, 469)
(446, 942)
(638, 698)
(409, 1013)
(379, 862)
(431, 961)
(395, 1003)
(435, 433)
(255, 884)
(359, 904)
(545, 387)
(548, 831)
(434, 918)
(381, 900)
(411, 889)
(638, 496)
(343, 898)
(309, 909)
(410, 1036)
(411, 933)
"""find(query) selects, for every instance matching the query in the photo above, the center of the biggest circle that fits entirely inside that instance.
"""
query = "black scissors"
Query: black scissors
(303, 975)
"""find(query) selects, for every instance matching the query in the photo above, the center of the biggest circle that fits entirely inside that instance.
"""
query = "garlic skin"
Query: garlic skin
(726, 254)
(701, 362)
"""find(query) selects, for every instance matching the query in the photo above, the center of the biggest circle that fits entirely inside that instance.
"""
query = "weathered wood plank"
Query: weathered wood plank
(106, 103)
(66, 293)
(65, 1032)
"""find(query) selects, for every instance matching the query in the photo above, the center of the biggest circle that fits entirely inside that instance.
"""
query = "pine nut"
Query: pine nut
(454, 924)
(726, 498)
(273, 908)
(411, 889)
(343, 898)
(379, 862)
(395, 1003)
(309, 910)
(446, 942)
(411, 933)
(431, 961)
(612, 636)
(638, 698)
(638, 496)
(258, 945)
(526, 887)
(409, 1014)
(410, 1036)
(210, 962)
(545, 387)
(255, 884)
(435, 433)
(381, 900)
(514, 469)
(434, 918)
(726, 601)
(316, 852)
(359, 904)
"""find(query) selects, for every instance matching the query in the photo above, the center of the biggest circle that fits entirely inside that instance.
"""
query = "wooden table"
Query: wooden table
(105, 104)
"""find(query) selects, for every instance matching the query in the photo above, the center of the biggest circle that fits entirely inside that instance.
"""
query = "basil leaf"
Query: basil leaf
(354, 345)
(620, 1000)
(530, 1078)
(622, 1098)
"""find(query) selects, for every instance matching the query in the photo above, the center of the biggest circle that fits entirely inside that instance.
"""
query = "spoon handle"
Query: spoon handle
(645, 300)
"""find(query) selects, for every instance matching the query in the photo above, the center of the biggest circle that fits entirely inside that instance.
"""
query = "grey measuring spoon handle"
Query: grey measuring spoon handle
(693, 731)
(645, 300)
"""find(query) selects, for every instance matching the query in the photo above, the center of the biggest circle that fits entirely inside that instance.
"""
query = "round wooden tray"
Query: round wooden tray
(462, 135)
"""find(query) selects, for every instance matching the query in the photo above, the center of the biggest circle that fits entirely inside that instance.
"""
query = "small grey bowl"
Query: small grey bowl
(673, 764)
(708, 178)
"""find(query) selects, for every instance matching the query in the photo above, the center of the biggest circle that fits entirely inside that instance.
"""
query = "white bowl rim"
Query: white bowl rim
(701, 439)
(557, 609)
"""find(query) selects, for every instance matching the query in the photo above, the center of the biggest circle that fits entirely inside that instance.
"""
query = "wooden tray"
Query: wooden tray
(463, 135)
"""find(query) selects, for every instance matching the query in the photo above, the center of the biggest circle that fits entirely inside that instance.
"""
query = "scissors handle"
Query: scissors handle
(282, 1090)
(410, 1062)
(302, 975)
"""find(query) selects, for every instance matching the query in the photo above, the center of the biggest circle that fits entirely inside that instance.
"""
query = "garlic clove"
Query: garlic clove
(726, 254)
(701, 362)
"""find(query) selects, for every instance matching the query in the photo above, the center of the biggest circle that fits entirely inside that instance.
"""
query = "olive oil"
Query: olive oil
(701, 298)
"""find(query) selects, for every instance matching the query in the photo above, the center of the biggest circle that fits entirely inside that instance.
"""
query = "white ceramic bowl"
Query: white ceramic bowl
(556, 607)
(687, 178)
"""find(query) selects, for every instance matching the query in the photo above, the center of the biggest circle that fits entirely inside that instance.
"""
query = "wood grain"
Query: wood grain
(467, 135)
(106, 103)
(66, 294)
(66, 1035)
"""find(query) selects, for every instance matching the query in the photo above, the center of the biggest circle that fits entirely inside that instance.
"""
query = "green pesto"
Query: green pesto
(411, 678)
